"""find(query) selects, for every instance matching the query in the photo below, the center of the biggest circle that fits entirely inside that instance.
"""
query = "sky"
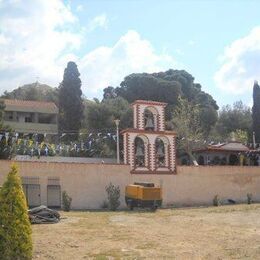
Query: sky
(218, 42)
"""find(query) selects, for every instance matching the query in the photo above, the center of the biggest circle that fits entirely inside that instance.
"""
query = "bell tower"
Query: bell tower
(148, 148)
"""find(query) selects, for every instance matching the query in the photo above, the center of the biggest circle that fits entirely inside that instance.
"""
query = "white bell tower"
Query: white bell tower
(148, 148)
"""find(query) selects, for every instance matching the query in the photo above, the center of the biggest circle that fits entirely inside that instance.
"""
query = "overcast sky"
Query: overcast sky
(218, 42)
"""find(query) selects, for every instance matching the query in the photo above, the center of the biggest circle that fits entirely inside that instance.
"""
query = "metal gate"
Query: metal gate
(54, 196)
(33, 194)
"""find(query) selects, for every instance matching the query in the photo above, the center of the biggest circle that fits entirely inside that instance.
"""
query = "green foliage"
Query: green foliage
(240, 136)
(99, 118)
(2, 107)
(165, 87)
(7, 148)
(186, 122)
(15, 228)
(216, 201)
(149, 87)
(70, 101)
(33, 91)
(66, 201)
(101, 115)
(113, 195)
(249, 198)
(234, 118)
(256, 112)
(3, 128)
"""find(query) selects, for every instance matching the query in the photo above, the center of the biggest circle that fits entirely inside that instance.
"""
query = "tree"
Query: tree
(186, 122)
(70, 101)
(166, 87)
(256, 111)
(6, 146)
(100, 116)
(2, 107)
(240, 136)
(231, 119)
(15, 228)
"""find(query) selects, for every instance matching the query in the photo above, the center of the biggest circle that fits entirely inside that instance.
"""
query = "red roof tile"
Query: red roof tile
(30, 104)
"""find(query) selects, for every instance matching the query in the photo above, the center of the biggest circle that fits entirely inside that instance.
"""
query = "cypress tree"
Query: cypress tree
(256, 111)
(70, 101)
(15, 227)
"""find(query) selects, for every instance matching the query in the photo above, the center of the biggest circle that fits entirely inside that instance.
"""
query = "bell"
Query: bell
(149, 123)
(139, 151)
(160, 152)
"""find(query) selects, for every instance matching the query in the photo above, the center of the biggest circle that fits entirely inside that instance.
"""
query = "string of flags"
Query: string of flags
(32, 145)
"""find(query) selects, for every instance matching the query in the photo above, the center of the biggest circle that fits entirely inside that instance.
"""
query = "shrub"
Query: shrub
(216, 201)
(66, 201)
(249, 198)
(113, 195)
(15, 227)
(104, 204)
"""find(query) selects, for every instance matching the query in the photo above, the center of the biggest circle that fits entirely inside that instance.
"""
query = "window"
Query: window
(28, 119)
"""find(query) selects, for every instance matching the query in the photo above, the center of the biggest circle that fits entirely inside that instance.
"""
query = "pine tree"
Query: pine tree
(70, 101)
(256, 111)
(15, 227)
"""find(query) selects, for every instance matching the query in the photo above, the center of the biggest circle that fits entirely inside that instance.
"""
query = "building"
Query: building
(26, 116)
(232, 153)
(148, 148)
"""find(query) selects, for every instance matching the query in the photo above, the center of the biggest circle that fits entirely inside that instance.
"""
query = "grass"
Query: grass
(226, 232)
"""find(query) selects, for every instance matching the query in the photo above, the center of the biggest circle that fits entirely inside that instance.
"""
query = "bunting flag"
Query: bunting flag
(6, 137)
(62, 135)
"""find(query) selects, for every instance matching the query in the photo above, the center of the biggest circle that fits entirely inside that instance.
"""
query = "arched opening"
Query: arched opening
(233, 159)
(150, 119)
(223, 161)
(201, 160)
(140, 151)
(160, 152)
(216, 160)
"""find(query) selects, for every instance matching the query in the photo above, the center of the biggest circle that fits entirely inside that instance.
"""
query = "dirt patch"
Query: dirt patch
(228, 232)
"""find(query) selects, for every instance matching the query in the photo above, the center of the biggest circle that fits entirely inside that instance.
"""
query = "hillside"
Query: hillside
(33, 91)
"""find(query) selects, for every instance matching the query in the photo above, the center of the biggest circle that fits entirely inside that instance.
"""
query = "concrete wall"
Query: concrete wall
(85, 183)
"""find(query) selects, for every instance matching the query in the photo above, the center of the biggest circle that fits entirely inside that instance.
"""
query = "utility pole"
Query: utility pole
(117, 140)
(254, 140)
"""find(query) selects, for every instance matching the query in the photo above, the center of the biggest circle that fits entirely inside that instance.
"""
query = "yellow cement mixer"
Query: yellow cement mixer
(144, 195)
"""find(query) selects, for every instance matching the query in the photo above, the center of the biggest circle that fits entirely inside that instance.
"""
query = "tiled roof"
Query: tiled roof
(227, 147)
(29, 105)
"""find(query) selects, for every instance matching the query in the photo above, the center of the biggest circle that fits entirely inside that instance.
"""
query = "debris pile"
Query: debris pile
(43, 215)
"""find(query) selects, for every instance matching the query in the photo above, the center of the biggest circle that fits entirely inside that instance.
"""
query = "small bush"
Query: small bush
(216, 201)
(66, 201)
(113, 195)
(249, 198)
(104, 204)
(15, 227)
